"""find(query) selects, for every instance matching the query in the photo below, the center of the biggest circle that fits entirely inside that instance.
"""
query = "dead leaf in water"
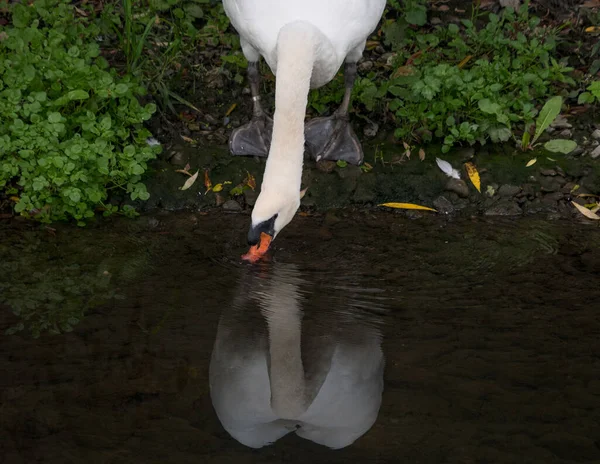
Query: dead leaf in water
(531, 162)
(407, 206)
(586, 212)
(473, 175)
(230, 110)
(190, 181)
(207, 182)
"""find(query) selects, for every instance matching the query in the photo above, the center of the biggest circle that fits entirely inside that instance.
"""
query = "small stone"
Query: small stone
(509, 190)
(365, 66)
(578, 151)
(553, 198)
(561, 123)
(504, 208)
(547, 172)
(596, 152)
(371, 130)
(435, 21)
(443, 205)
(458, 186)
(596, 134)
(567, 134)
(231, 205)
(219, 200)
(179, 158)
(325, 165)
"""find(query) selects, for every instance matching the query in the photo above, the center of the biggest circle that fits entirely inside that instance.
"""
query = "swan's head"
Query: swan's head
(274, 209)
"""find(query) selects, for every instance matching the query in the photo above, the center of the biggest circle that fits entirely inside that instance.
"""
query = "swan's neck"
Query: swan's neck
(296, 48)
(286, 373)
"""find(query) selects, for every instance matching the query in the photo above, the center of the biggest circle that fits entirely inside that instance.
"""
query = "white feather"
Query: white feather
(447, 168)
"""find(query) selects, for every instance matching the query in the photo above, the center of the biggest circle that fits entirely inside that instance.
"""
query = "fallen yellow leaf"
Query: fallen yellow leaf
(217, 188)
(531, 162)
(15, 199)
(592, 29)
(464, 61)
(407, 206)
(231, 108)
(473, 175)
(190, 181)
(586, 212)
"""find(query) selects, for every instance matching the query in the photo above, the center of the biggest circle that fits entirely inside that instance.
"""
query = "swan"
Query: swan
(269, 375)
(304, 42)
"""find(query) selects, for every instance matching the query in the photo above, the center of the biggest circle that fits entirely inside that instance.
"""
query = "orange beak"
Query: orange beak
(256, 252)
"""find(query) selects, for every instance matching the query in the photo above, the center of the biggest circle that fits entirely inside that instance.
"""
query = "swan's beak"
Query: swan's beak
(257, 251)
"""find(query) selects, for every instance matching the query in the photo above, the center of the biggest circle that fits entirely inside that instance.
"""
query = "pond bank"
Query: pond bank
(508, 186)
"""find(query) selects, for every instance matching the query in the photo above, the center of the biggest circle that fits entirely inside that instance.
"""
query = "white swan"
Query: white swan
(266, 384)
(304, 42)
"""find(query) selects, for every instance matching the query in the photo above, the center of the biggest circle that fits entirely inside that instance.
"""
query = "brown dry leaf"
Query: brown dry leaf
(250, 181)
(421, 154)
(407, 206)
(13, 198)
(207, 182)
(591, 4)
(586, 212)
(464, 61)
(404, 71)
(531, 162)
(188, 139)
(184, 171)
(303, 192)
(473, 175)
(190, 181)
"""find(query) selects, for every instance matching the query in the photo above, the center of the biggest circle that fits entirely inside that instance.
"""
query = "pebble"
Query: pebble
(596, 152)
(231, 205)
(504, 209)
(509, 190)
(567, 134)
(561, 123)
(458, 186)
(596, 134)
(371, 130)
(365, 66)
(548, 172)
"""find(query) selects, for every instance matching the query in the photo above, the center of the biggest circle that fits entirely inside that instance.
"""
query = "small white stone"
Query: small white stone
(596, 134)
(596, 153)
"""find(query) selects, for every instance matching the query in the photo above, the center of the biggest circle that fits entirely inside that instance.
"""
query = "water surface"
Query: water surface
(394, 340)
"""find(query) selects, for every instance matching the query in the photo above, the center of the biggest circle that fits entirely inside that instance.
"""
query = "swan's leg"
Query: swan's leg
(254, 138)
(332, 138)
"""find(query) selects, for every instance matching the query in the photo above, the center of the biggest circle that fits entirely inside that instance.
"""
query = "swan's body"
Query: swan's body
(304, 42)
(266, 384)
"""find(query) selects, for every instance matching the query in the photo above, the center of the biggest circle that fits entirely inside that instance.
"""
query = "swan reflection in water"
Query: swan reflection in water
(290, 356)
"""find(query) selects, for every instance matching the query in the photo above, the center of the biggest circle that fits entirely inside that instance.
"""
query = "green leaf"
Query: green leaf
(418, 16)
(54, 117)
(585, 97)
(78, 95)
(547, 116)
(487, 106)
(561, 146)
(342, 163)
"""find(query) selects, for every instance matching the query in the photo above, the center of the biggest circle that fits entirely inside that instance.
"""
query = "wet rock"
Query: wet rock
(571, 447)
(552, 198)
(365, 189)
(365, 66)
(578, 151)
(504, 208)
(507, 190)
(596, 134)
(443, 205)
(550, 184)
(231, 205)
(179, 158)
(458, 186)
(548, 172)
(595, 152)
(250, 197)
(349, 172)
(219, 199)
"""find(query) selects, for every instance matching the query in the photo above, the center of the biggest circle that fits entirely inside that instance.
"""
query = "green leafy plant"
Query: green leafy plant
(591, 95)
(70, 128)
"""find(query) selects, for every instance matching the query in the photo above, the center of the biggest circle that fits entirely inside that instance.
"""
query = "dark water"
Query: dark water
(396, 340)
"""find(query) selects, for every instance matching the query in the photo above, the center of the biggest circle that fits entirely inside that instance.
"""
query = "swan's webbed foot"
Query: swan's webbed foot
(333, 139)
(252, 139)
